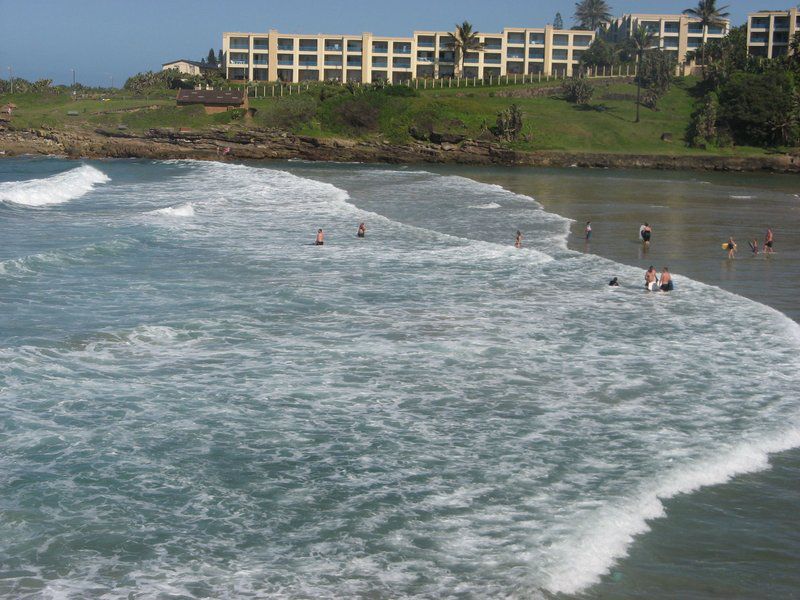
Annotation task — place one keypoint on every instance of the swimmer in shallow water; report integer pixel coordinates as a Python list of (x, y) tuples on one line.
[(731, 247), (647, 233), (768, 241), (588, 230), (362, 230), (614, 282), (666, 280), (518, 241), (651, 279), (320, 241)]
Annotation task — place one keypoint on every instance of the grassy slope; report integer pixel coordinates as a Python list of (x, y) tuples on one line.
[(550, 123)]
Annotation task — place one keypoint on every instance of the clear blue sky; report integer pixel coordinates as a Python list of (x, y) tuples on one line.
[(105, 38)]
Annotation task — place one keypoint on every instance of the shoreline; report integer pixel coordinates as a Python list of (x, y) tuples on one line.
[(224, 144)]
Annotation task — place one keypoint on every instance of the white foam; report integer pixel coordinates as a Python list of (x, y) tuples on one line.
[(55, 189), (605, 535), (183, 210), (488, 206)]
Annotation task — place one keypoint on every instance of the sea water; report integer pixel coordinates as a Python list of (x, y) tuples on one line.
[(195, 401)]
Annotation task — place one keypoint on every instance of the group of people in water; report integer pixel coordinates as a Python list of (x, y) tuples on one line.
[(769, 240), (320, 239)]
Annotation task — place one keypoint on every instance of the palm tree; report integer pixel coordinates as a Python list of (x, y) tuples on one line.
[(590, 14), (709, 15), (640, 41), (462, 41)]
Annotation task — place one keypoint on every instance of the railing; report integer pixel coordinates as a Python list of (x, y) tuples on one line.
[(402, 50), (261, 61), (333, 63), (493, 61), (380, 63), (260, 46), (238, 61), (285, 48), (425, 59), (494, 46), (285, 62), (426, 44), (239, 47), (380, 49), (308, 48)]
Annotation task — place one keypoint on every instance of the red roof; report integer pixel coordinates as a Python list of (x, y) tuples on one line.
[(211, 97)]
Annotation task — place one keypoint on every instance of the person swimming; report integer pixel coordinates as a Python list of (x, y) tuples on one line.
[(666, 280), (614, 282), (588, 231), (518, 241), (362, 230), (753, 246), (320, 240)]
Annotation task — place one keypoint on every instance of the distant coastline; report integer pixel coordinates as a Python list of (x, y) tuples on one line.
[(256, 144)]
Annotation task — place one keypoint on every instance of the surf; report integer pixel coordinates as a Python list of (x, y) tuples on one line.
[(56, 189)]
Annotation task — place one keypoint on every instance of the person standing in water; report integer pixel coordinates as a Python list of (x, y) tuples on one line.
[(647, 233), (731, 247), (320, 241), (518, 241), (753, 246), (362, 230), (650, 279), (588, 230), (768, 240), (666, 280)]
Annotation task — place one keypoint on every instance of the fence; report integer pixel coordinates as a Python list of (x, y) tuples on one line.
[(278, 90)]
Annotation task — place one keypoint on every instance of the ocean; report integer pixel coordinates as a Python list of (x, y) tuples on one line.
[(197, 402)]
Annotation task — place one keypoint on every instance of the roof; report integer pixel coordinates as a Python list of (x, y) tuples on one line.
[(202, 65), (211, 97)]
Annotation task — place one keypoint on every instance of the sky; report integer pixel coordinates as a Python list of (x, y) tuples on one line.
[(110, 40)]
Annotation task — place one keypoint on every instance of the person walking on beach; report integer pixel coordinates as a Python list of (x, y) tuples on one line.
[(320, 241), (588, 230), (768, 239), (731, 247), (362, 230), (650, 279), (518, 241), (666, 280)]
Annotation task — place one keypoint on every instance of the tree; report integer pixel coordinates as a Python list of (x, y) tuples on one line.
[(212, 58), (558, 22), (509, 123), (220, 58), (655, 75), (600, 54), (760, 108), (462, 41), (703, 125), (709, 15), (726, 56), (590, 14), (640, 41)]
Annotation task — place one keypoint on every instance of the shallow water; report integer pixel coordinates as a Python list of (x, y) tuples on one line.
[(197, 402)]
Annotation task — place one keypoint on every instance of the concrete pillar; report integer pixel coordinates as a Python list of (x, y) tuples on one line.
[(250, 56), (366, 58), (273, 55), (548, 50)]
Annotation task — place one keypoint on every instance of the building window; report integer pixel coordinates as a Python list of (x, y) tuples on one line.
[(354, 46), (516, 38)]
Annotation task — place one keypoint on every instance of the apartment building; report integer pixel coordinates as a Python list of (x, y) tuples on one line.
[(769, 32), (674, 34), (367, 58)]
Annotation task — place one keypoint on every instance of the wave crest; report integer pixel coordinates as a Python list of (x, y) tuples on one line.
[(55, 189)]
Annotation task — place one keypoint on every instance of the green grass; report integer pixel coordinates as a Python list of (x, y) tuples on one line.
[(606, 125)]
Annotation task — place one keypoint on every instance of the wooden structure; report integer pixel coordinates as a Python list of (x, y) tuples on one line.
[(214, 101)]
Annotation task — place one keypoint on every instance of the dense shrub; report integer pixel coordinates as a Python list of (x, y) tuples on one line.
[(509, 123), (759, 109), (289, 112), (358, 113), (578, 90), (656, 72), (703, 125)]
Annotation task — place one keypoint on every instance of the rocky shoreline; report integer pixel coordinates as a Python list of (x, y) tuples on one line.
[(228, 144)]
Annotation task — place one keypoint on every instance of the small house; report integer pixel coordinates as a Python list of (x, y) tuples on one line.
[(189, 67), (214, 101)]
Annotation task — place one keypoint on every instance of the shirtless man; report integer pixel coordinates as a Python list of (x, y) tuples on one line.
[(518, 241), (362, 230), (768, 242), (650, 279), (320, 241), (666, 280), (588, 231)]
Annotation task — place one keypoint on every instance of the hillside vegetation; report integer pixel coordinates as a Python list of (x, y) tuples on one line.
[(397, 114)]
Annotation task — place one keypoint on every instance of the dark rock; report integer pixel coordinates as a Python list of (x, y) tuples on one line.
[(666, 137)]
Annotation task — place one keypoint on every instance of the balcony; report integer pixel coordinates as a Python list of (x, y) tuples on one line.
[(492, 61), (781, 24), (353, 61), (672, 28), (516, 53), (401, 63), (261, 60), (286, 45), (582, 41), (560, 40), (308, 47), (536, 53), (239, 47), (307, 61), (402, 49), (284, 48), (759, 23), (560, 55), (380, 48), (425, 59), (694, 42), (471, 58), (493, 44), (426, 42), (260, 44), (353, 46), (333, 61), (759, 38), (716, 30), (695, 29), (537, 39), (239, 61), (283, 62), (380, 62), (517, 39)]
